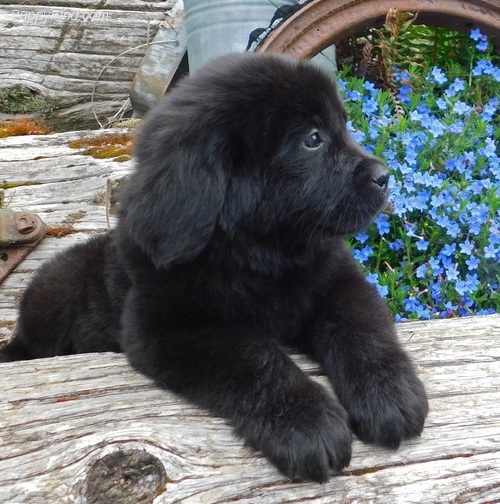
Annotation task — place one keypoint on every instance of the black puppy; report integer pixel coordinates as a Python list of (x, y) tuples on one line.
[(228, 247)]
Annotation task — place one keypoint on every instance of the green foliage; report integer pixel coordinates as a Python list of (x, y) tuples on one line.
[(401, 43)]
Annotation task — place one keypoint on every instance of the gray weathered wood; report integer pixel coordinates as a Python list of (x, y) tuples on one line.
[(60, 184), (59, 417), (59, 49)]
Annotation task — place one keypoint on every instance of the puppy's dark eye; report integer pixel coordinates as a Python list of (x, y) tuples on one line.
[(313, 141)]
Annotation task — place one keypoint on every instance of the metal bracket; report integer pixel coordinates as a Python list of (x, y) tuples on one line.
[(19, 233)]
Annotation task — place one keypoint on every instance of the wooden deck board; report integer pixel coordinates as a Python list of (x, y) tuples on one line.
[(60, 416), (80, 55)]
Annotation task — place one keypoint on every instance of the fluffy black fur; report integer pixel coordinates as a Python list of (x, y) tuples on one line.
[(229, 247)]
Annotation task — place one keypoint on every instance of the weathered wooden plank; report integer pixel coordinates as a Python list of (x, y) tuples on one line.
[(65, 188), (59, 416), (99, 4), (59, 48), (48, 172)]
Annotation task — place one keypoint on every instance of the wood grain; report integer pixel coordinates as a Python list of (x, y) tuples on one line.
[(60, 48), (59, 416)]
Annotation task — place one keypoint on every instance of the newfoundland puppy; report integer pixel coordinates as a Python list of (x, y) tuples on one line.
[(229, 249)]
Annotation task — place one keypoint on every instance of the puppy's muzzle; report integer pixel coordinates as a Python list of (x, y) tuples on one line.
[(375, 173), (379, 175)]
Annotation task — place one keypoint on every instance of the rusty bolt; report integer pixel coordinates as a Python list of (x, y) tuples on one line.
[(25, 224)]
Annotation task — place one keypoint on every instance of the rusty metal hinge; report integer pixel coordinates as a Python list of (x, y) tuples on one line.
[(19, 233)]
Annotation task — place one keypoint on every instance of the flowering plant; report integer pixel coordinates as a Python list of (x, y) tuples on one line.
[(435, 251)]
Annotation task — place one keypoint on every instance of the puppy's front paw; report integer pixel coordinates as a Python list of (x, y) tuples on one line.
[(392, 407), (308, 440)]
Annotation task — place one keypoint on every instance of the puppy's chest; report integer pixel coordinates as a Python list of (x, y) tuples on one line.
[(282, 308)]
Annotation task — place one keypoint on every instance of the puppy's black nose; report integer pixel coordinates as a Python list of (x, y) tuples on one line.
[(380, 174)]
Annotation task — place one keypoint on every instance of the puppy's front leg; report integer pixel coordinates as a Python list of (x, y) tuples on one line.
[(373, 377), (246, 377)]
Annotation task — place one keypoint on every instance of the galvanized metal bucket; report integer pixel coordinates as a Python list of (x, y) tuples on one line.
[(218, 27)]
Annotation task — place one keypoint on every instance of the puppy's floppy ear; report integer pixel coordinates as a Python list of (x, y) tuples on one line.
[(172, 202)]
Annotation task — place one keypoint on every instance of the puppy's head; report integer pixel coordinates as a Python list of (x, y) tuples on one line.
[(251, 143)]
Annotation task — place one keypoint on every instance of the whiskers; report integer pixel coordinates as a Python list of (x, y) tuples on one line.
[(344, 219)]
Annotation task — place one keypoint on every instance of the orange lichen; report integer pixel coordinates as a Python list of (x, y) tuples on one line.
[(112, 146), (60, 231), (26, 126)]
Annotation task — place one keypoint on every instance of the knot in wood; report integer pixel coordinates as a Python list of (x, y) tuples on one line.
[(128, 477)]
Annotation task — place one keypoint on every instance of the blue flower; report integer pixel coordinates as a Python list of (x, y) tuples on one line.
[(435, 265), (486, 68), (494, 234), (476, 34), (423, 108), (472, 263), (476, 218), (423, 313), (448, 250), (489, 150), (369, 86), (420, 201), (467, 286), (490, 109), (423, 245), (370, 106), (415, 307), (441, 104), (482, 46), (467, 247), (437, 292), (373, 131), (478, 186), (453, 229), (461, 108), (483, 67), (362, 255), (382, 290), (443, 221), (488, 311), (362, 237), (457, 127), (403, 95), (435, 127), (438, 76), (353, 95), (452, 272), (490, 251), (410, 230), (411, 304), (411, 157), (342, 84), (383, 225), (397, 245), (481, 38), (422, 271), (358, 136), (457, 86), (401, 75), (450, 308), (426, 179)]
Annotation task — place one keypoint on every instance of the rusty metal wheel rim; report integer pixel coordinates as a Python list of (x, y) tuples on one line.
[(321, 23)]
